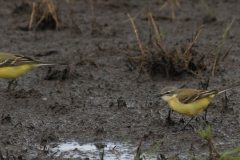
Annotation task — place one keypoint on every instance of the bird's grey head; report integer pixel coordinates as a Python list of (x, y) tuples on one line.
[(167, 93)]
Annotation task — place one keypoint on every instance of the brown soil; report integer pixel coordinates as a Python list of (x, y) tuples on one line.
[(98, 95)]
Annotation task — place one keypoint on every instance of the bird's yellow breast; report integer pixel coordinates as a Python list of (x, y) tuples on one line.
[(190, 109), (15, 71)]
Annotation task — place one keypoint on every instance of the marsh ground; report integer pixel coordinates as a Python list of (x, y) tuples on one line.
[(87, 103)]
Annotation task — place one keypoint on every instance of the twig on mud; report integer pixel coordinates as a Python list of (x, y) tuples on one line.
[(230, 47), (19, 123), (144, 55), (92, 63), (220, 48)]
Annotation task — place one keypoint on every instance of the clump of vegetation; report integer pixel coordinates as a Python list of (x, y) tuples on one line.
[(160, 61), (168, 64), (213, 152), (44, 16)]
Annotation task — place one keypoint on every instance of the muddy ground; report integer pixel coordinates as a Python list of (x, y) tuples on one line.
[(97, 96)]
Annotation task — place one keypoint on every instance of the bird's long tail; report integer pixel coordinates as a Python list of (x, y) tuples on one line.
[(45, 64), (227, 88)]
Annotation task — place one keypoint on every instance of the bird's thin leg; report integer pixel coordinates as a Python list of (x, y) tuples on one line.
[(9, 85), (15, 84), (169, 120), (205, 117), (187, 123)]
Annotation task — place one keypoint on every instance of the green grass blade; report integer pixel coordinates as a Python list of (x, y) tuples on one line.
[(160, 35), (125, 139), (155, 148), (207, 7), (223, 39)]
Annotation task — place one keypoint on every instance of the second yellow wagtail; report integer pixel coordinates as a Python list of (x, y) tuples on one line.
[(13, 66), (190, 101)]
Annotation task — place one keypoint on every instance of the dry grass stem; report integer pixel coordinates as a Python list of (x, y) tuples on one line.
[(178, 4), (163, 5), (32, 15), (172, 9), (157, 42), (196, 37), (135, 30), (230, 47), (172, 2), (144, 55), (152, 22)]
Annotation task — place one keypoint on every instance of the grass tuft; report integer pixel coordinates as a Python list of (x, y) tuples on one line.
[(44, 16)]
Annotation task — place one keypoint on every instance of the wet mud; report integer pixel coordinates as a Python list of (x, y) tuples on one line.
[(96, 93)]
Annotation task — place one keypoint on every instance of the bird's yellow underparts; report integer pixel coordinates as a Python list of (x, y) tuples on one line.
[(190, 101), (14, 66)]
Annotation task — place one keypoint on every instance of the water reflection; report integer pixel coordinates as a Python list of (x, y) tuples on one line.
[(92, 150)]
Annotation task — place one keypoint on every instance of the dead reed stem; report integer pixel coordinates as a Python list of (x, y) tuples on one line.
[(32, 15)]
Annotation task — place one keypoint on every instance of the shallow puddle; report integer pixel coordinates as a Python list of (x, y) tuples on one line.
[(75, 150)]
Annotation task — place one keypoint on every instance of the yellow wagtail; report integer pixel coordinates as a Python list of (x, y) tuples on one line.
[(13, 66), (190, 101)]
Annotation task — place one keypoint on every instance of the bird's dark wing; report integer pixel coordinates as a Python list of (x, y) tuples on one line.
[(17, 60), (190, 95)]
